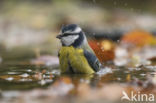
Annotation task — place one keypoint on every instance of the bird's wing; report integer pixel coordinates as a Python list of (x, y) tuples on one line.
[(92, 60)]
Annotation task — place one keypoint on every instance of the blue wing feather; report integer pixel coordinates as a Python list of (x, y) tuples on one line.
[(92, 60)]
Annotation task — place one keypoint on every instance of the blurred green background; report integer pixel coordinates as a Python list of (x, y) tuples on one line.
[(33, 24)]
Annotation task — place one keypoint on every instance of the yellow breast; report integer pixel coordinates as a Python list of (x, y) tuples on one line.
[(73, 57)]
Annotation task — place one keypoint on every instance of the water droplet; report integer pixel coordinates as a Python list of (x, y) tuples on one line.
[(55, 72), (42, 82), (29, 70), (104, 71), (10, 78), (12, 73), (138, 69), (43, 76), (24, 75), (142, 74)]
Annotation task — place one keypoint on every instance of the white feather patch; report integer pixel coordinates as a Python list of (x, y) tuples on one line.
[(77, 30), (68, 40)]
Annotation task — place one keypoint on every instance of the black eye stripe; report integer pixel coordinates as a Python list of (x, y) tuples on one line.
[(67, 34)]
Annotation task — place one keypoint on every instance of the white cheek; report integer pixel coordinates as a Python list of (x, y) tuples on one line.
[(77, 30), (68, 40)]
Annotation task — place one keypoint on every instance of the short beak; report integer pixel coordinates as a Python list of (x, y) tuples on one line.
[(59, 36)]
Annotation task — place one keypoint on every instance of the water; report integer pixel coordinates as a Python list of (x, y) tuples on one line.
[(21, 77)]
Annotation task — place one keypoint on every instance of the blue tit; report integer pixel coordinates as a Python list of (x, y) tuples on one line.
[(75, 55)]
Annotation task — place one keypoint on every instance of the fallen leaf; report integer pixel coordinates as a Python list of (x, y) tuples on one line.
[(138, 38), (104, 49)]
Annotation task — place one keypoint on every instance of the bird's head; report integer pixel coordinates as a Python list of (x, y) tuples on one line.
[(71, 34)]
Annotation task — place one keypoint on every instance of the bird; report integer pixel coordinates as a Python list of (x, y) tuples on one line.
[(75, 55)]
